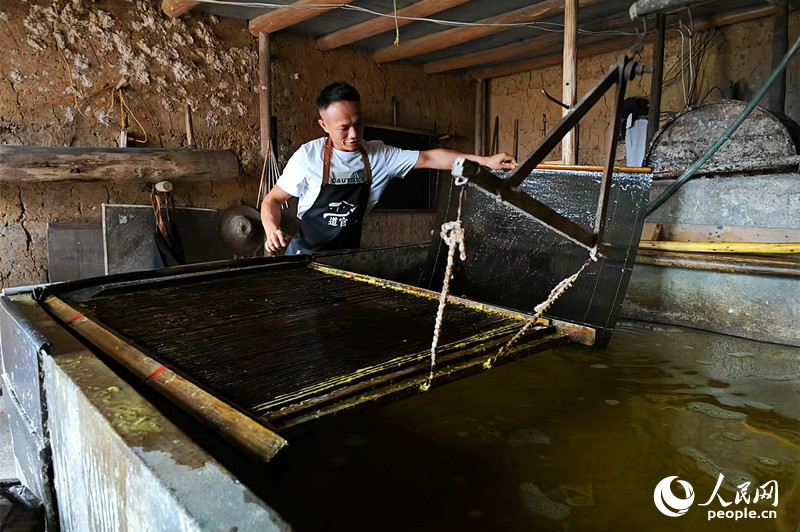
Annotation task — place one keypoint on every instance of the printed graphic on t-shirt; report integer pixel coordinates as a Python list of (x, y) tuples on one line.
[(347, 178), (338, 213)]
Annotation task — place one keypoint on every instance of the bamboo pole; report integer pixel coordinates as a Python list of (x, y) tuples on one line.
[(722, 247), (249, 435)]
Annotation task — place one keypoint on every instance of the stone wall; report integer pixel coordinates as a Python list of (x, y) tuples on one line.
[(737, 63), (61, 60)]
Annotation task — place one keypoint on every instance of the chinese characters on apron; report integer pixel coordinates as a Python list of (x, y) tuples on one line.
[(334, 220)]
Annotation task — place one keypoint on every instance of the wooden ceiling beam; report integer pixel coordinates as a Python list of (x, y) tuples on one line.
[(279, 19), (176, 8), (492, 55), (612, 45), (510, 51), (602, 47), (378, 25), (445, 39)]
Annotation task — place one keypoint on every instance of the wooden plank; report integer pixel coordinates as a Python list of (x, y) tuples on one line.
[(279, 19), (454, 36), (132, 165), (601, 47), (74, 251), (569, 144), (378, 25), (176, 8), (719, 233)]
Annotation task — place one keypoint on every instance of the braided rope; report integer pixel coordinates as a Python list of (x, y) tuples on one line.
[(540, 309), (452, 234)]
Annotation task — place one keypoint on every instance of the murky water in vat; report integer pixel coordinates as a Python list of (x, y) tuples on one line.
[(574, 439)]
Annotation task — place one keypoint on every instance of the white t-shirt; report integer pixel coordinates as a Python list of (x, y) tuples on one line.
[(302, 176)]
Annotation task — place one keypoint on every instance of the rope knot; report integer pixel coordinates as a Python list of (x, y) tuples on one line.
[(453, 235)]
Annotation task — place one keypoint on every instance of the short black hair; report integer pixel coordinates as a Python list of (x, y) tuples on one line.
[(337, 92)]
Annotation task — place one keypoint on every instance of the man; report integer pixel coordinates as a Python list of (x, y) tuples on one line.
[(340, 177)]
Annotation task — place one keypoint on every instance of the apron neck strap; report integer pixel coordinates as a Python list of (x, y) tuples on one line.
[(327, 154)]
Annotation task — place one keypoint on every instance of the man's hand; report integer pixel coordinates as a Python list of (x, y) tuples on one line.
[(271, 219), (500, 161), (276, 241)]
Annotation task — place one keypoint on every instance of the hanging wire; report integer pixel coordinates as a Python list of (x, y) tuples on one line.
[(396, 25)]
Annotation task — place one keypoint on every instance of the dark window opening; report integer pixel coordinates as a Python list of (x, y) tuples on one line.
[(418, 189)]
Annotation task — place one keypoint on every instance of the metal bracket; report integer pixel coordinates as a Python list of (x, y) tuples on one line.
[(507, 190)]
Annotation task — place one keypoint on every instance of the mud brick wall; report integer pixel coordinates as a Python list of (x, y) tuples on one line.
[(61, 60)]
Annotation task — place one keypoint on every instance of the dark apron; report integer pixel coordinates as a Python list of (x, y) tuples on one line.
[(334, 220)]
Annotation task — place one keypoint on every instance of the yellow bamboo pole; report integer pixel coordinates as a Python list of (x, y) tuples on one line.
[(722, 247), (250, 436)]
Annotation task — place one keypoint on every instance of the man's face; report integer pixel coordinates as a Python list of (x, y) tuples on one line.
[(342, 121)]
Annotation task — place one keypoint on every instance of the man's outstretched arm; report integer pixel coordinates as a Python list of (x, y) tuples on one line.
[(271, 219), (441, 159)]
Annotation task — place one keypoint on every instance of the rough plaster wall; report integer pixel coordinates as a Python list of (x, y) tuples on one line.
[(738, 62), (208, 61)]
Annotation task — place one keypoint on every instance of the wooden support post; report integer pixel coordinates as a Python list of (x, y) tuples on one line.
[(776, 96), (569, 144), (654, 117), (264, 92)]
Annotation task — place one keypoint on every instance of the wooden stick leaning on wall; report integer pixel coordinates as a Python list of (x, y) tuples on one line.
[(265, 92), (250, 436), (189, 126)]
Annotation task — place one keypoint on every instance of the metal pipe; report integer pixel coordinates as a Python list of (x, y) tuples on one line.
[(747, 265), (722, 247), (733, 127)]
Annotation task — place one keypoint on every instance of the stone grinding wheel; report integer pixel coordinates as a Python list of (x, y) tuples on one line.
[(240, 230)]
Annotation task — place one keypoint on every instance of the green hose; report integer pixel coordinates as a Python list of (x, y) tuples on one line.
[(655, 204)]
